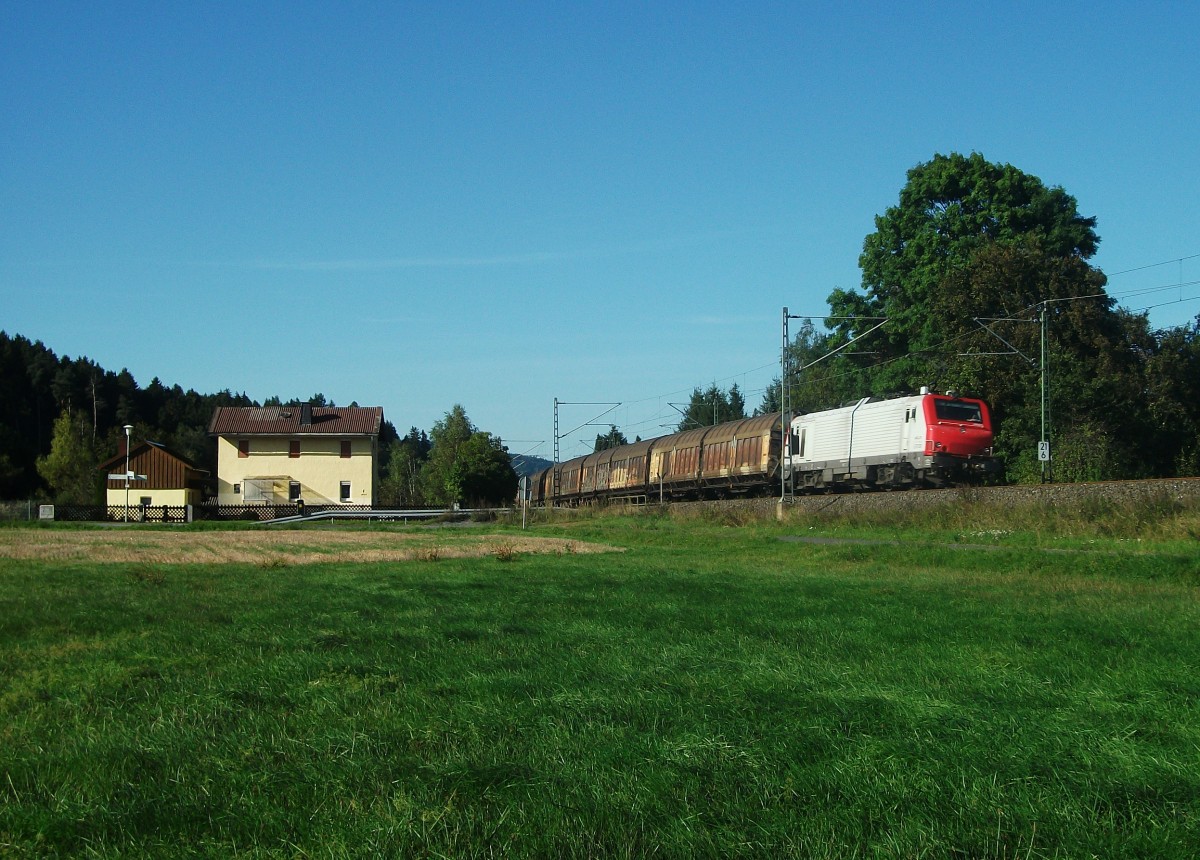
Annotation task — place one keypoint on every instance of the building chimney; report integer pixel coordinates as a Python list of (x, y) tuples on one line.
[(305, 414)]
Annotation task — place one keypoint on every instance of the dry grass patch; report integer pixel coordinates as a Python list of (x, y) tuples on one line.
[(268, 547)]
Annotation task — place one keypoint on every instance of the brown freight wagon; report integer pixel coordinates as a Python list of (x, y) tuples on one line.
[(675, 463), (629, 475), (741, 454)]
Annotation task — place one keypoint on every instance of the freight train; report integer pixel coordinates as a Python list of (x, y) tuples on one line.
[(922, 440)]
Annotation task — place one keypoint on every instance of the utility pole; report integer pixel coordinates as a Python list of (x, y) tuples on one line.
[(555, 472), (785, 403), (128, 434), (1043, 449), (1044, 454), (557, 403)]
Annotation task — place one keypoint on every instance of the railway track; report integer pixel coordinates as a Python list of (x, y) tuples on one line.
[(1074, 495)]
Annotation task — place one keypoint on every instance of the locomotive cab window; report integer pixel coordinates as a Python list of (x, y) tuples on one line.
[(958, 410)]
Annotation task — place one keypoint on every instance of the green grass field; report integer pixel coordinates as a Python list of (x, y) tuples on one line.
[(712, 690)]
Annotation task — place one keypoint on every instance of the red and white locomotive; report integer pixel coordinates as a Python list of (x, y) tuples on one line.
[(924, 440), (916, 441)]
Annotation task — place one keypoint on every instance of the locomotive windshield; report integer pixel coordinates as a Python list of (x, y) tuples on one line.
[(958, 410)]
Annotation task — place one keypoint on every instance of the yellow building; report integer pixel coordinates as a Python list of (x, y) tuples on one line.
[(322, 455)]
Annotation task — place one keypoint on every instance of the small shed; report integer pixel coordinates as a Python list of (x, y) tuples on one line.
[(170, 478)]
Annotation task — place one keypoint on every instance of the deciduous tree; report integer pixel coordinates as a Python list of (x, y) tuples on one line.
[(466, 465), (951, 208), (487, 474)]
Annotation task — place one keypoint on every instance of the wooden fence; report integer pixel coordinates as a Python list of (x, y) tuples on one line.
[(34, 510)]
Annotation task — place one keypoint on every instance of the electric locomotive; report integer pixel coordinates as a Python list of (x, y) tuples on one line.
[(920, 440)]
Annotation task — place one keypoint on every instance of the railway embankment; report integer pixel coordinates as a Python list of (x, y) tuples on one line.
[(1069, 498)]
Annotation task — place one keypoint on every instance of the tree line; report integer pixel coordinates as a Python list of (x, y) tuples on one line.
[(43, 392), (64, 416)]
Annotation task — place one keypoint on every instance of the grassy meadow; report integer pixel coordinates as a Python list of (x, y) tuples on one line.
[(1008, 685)]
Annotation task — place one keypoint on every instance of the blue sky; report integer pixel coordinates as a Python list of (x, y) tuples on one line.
[(413, 205)]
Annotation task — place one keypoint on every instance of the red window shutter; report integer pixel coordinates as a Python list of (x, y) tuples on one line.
[(294, 448), (243, 448), (345, 449)]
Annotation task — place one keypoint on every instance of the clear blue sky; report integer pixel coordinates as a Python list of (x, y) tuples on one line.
[(412, 205)]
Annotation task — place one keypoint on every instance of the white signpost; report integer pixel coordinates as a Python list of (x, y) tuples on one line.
[(126, 477)]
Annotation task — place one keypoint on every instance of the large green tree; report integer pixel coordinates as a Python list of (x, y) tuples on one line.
[(443, 472), (950, 209)]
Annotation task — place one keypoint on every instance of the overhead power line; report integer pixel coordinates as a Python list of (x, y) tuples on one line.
[(1162, 289), (1152, 265), (1165, 304)]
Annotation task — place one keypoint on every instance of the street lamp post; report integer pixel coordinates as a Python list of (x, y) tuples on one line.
[(128, 432)]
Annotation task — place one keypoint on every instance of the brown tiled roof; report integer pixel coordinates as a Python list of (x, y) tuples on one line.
[(285, 421), (119, 458)]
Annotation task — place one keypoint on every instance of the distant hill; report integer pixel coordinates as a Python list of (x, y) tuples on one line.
[(525, 465)]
